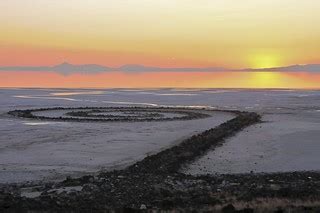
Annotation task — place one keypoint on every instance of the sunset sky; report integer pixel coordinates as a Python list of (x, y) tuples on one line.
[(164, 33)]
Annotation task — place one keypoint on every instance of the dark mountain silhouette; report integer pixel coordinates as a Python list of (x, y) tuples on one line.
[(142, 68), (292, 68), (67, 68), (64, 68)]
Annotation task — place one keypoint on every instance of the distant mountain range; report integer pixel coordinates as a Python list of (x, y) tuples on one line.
[(292, 68), (67, 68), (142, 68), (64, 68)]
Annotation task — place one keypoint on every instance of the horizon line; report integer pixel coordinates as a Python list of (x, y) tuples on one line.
[(163, 88), (67, 67)]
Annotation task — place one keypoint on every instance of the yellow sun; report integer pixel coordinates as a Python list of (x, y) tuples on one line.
[(264, 60)]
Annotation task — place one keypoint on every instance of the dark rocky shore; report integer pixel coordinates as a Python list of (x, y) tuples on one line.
[(155, 183)]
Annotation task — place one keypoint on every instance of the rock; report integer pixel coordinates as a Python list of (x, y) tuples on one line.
[(246, 210), (228, 209), (234, 184), (143, 206), (275, 187)]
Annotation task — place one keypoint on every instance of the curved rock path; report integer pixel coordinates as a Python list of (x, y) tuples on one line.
[(156, 183)]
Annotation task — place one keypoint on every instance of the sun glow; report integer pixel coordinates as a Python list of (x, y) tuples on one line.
[(265, 61)]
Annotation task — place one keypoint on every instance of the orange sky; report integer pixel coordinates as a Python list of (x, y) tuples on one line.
[(166, 33), (227, 33)]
